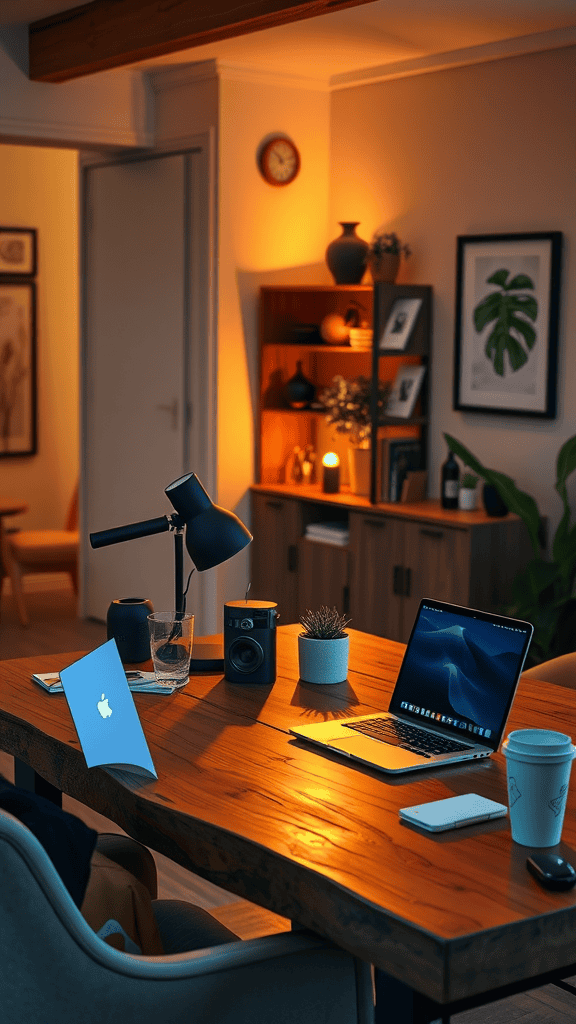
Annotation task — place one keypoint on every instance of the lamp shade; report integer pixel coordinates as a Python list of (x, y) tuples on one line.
[(213, 534)]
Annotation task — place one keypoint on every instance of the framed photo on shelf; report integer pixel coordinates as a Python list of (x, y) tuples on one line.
[(506, 331), (405, 391), (17, 368), (17, 252), (400, 324)]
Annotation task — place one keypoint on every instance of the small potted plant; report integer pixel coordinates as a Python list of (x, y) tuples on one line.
[(323, 646), (467, 492), (347, 406), (383, 256)]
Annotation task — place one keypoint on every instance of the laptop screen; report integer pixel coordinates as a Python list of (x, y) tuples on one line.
[(460, 670)]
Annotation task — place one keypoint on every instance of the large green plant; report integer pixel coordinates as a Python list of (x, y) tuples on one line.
[(544, 592)]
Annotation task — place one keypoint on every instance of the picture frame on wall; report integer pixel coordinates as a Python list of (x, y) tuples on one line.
[(400, 324), (17, 252), (506, 330), (17, 368)]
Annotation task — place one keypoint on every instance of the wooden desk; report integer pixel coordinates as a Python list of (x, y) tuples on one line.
[(456, 916)]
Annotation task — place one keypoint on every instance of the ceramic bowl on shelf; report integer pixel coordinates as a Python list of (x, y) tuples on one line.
[(361, 337)]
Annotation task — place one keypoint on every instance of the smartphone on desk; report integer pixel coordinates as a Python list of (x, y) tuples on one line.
[(454, 812)]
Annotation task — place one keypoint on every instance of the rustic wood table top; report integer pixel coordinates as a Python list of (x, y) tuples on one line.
[(309, 836)]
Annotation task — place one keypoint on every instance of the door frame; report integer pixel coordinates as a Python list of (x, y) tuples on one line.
[(200, 440)]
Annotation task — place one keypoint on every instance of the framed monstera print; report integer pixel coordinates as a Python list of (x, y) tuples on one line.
[(506, 334)]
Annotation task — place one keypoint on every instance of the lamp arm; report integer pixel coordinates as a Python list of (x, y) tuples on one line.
[(132, 531)]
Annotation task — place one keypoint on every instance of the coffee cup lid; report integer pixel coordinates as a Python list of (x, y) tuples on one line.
[(540, 742)]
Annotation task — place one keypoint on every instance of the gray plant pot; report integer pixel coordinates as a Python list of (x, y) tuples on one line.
[(323, 661)]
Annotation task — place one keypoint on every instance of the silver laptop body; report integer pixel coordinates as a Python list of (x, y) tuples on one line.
[(452, 697)]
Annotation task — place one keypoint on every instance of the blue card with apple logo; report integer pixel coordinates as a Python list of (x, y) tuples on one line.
[(104, 713)]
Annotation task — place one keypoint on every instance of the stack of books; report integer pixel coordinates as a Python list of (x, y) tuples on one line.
[(328, 533), (398, 457)]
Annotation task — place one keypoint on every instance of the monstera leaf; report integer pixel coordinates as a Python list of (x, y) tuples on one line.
[(510, 328)]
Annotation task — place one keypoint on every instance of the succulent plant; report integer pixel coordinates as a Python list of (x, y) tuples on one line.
[(326, 624)]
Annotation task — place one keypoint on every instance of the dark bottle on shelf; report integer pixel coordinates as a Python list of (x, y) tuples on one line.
[(450, 481)]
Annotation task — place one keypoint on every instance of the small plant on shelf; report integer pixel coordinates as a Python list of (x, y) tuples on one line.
[(469, 481), (325, 624), (387, 242), (347, 405)]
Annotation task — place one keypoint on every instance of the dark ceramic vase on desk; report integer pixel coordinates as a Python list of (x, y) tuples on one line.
[(127, 623)]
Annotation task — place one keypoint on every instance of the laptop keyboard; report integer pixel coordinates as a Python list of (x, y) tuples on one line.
[(410, 737)]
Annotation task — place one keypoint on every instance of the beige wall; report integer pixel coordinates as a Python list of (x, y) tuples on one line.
[(266, 234), (39, 188), (481, 149)]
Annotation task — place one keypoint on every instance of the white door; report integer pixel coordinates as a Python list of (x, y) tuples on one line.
[(135, 374)]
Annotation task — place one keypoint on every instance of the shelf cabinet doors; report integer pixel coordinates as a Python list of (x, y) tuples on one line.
[(323, 577), (376, 548), (276, 528), (436, 564)]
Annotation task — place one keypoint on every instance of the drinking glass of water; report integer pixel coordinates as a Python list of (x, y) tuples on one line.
[(171, 636)]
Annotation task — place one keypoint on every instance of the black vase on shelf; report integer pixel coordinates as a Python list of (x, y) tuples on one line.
[(493, 504), (299, 392), (127, 623), (346, 255)]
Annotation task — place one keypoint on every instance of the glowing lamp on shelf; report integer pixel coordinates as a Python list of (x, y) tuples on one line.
[(330, 473)]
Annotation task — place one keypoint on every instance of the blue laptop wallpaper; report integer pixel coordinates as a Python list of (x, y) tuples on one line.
[(461, 671)]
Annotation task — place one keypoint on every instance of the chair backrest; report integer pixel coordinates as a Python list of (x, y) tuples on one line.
[(561, 671), (72, 517), (54, 968)]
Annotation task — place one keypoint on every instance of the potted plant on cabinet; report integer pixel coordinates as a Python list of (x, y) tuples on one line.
[(323, 646), (347, 406), (544, 592), (383, 256), (467, 492)]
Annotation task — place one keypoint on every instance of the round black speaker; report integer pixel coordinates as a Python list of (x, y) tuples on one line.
[(127, 623)]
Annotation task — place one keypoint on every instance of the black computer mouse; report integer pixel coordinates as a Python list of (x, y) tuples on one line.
[(552, 871)]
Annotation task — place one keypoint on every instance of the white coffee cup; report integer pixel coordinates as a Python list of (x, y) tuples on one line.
[(538, 764)]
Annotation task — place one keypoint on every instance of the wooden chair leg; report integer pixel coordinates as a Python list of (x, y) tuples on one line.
[(15, 573)]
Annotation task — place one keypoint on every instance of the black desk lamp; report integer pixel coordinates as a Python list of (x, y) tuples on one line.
[(212, 533)]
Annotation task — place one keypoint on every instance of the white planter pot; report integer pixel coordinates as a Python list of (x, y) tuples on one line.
[(323, 661), (467, 499), (359, 468)]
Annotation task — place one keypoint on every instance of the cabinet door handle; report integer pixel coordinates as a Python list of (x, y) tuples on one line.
[(435, 534), (374, 523), (398, 581), (345, 600), (407, 582), (292, 558), (273, 504)]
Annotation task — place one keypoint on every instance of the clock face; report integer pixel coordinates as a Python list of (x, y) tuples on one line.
[(280, 162)]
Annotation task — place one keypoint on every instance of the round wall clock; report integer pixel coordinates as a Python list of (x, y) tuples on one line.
[(279, 161)]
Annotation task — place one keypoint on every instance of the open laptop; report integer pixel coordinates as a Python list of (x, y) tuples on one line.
[(105, 715), (452, 697)]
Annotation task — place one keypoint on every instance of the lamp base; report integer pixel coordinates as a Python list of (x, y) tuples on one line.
[(207, 656)]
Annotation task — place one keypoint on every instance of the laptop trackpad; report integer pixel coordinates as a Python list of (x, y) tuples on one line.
[(382, 755)]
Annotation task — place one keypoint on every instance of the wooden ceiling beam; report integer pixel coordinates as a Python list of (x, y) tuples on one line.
[(112, 33)]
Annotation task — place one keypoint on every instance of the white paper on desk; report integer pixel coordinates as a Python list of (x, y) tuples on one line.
[(104, 713)]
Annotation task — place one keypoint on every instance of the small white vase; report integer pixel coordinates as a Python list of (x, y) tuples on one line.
[(467, 499), (323, 661), (359, 468)]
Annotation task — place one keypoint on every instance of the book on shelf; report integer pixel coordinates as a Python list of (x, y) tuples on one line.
[(398, 457), (328, 533)]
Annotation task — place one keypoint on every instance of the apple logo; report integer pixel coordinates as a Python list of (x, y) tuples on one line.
[(103, 708)]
